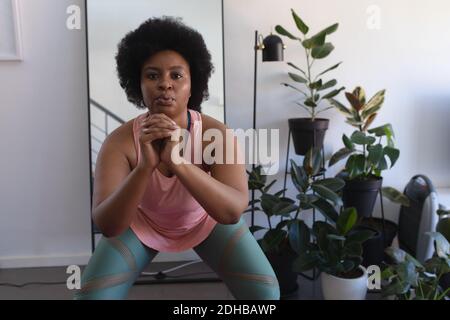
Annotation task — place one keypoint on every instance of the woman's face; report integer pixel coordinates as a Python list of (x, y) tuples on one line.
[(166, 83)]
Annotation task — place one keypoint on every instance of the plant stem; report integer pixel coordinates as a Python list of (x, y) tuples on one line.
[(270, 225), (364, 153), (313, 113), (298, 211)]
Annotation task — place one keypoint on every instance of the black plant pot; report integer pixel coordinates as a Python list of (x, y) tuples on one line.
[(361, 194), (282, 262), (373, 249), (307, 134)]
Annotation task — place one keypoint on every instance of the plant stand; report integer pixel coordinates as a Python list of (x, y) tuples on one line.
[(315, 274)]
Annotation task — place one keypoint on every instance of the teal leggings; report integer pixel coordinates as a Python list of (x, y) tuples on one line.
[(230, 250)]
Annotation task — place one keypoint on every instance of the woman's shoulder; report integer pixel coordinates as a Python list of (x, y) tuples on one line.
[(123, 139), (209, 122)]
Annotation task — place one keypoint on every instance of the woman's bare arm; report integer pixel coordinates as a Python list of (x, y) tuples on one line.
[(117, 189), (224, 193)]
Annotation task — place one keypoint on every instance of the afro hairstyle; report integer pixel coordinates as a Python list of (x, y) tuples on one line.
[(155, 35)]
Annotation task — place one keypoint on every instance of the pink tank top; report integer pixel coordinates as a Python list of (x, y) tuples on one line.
[(168, 218)]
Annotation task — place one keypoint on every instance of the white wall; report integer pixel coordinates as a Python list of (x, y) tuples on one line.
[(44, 170), (408, 56), (44, 167)]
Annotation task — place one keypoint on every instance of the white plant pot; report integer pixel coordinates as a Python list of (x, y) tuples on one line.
[(335, 288)]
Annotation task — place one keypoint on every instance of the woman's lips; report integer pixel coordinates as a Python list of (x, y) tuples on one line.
[(163, 101)]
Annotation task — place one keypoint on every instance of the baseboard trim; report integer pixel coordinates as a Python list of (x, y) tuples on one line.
[(81, 259)]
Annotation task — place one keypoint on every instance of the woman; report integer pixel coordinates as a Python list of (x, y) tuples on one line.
[(144, 202)]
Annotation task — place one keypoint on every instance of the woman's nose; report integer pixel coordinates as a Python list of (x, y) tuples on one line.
[(165, 84)]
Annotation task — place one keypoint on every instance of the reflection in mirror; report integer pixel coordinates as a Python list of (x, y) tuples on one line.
[(108, 22)]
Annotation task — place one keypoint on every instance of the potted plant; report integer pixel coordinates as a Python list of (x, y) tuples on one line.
[(408, 279), (368, 151), (312, 193), (310, 132), (443, 225), (336, 250)]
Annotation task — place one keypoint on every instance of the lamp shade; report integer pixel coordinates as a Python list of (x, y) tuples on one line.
[(273, 48)]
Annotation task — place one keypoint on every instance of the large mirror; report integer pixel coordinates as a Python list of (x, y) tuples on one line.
[(108, 22)]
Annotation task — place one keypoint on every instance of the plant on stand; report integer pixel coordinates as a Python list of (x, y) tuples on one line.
[(336, 250), (278, 241), (310, 132), (368, 151)]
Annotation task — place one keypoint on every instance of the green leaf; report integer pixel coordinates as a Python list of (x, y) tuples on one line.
[(340, 107), (376, 101), (359, 236), (368, 112), (442, 245), (382, 165), (375, 154), (283, 208), (346, 220), (327, 194), (322, 51), (392, 153), (308, 102), (316, 85), (299, 22), (299, 177), (328, 85), (297, 68), (326, 209), (360, 138), (355, 165), (314, 42), (339, 155), (407, 272), (395, 196), (283, 223), (353, 249), (307, 198), (382, 130), (273, 238), (297, 78), (268, 202), (329, 69), (442, 212), (333, 93), (286, 33), (335, 237), (334, 184), (348, 143), (299, 236), (330, 29), (354, 123), (306, 261), (398, 255)]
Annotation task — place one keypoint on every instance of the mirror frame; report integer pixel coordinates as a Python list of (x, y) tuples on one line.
[(91, 173)]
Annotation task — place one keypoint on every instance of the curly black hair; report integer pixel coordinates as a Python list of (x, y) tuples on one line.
[(158, 34)]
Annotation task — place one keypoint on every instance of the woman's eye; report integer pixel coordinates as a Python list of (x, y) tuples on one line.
[(152, 76), (177, 76)]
